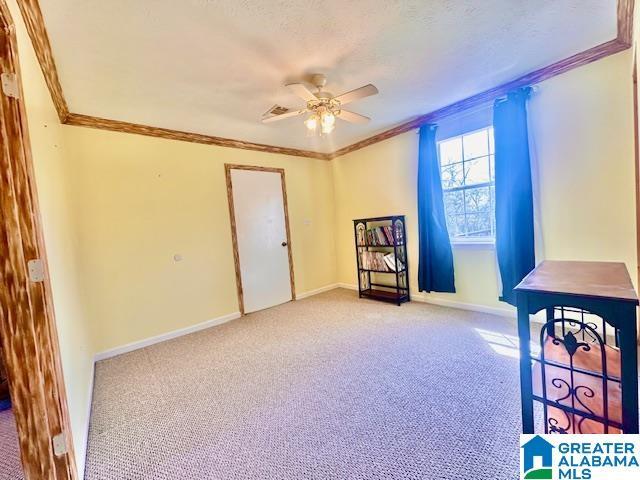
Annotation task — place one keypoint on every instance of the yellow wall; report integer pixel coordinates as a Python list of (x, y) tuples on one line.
[(141, 200), (582, 127), (581, 123), (53, 170)]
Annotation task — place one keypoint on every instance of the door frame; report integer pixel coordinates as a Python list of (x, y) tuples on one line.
[(234, 235), (27, 323)]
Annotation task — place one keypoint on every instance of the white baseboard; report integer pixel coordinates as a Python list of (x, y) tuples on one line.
[(443, 302), (310, 293), (194, 328), (165, 336)]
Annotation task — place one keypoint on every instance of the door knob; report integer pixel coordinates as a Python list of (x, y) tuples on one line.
[(284, 244)]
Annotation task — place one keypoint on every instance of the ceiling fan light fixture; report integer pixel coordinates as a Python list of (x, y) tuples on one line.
[(328, 119), (327, 129), (311, 123)]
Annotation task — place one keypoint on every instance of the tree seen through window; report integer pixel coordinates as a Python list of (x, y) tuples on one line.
[(468, 184)]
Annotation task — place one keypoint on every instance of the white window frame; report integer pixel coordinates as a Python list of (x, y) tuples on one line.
[(487, 241)]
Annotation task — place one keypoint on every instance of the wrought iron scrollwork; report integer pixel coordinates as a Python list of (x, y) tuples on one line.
[(589, 393), (552, 423), (571, 343), (571, 398)]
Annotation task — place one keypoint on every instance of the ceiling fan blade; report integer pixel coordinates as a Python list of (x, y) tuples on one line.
[(357, 94), (302, 91), (352, 117), (282, 116)]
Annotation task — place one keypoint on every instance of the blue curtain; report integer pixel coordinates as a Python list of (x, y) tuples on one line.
[(435, 260), (514, 191)]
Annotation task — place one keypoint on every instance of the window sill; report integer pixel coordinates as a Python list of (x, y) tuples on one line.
[(478, 243)]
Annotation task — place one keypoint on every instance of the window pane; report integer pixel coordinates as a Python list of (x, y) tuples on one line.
[(452, 175), (476, 144), (451, 224), (477, 199), (479, 224), (466, 162), (454, 202), (456, 225), (451, 151), (477, 171)]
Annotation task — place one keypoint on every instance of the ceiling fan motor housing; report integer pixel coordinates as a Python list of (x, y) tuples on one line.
[(325, 102), (318, 80)]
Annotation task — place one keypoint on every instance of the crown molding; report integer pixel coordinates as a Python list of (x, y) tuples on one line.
[(625, 22), (622, 42), (34, 22), (582, 58), (32, 15), (126, 127)]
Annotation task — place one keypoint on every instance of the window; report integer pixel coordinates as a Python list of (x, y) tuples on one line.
[(468, 185)]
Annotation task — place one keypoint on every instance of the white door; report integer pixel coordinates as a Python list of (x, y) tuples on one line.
[(262, 238)]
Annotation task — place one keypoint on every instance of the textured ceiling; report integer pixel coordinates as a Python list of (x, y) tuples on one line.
[(213, 67)]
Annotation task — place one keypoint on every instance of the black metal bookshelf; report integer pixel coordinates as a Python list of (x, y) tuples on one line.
[(383, 234)]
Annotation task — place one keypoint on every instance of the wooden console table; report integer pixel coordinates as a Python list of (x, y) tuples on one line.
[(585, 376)]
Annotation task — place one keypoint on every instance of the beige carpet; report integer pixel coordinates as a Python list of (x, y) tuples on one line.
[(330, 387), (10, 466)]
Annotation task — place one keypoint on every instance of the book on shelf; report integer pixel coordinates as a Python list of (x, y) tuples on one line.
[(390, 260), (373, 261), (379, 261), (376, 236)]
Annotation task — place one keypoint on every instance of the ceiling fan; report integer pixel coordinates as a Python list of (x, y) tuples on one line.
[(322, 106)]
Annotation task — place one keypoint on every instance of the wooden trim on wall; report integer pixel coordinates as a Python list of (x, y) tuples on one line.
[(234, 235), (37, 31), (234, 238), (27, 323), (34, 22), (32, 15), (125, 127), (625, 22), (621, 42), (578, 60)]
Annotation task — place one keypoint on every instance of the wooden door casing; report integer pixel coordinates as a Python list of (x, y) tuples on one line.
[(234, 235), (27, 324)]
